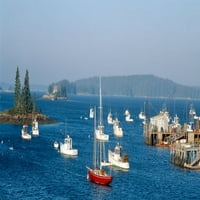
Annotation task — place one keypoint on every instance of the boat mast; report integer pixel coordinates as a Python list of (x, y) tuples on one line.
[(100, 105), (100, 121), (94, 150)]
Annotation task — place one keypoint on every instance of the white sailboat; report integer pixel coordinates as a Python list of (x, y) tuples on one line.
[(66, 147), (35, 130), (128, 116), (116, 159), (109, 118), (100, 135), (117, 130), (24, 134)]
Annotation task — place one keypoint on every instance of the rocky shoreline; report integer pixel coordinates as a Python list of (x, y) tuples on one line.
[(17, 119)]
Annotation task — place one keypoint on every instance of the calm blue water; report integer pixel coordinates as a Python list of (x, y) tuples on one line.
[(35, 170)]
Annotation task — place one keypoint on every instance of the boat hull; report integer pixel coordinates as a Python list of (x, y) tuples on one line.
[(35, 132), (66, 151), (26, 136), (97, 177)]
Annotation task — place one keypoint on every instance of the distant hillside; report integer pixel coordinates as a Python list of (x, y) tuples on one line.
[(134, 85)]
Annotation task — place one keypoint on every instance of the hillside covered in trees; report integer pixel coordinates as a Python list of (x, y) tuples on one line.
[(133, 85)]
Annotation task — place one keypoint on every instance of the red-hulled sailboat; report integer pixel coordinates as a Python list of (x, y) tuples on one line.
[(98, 175)]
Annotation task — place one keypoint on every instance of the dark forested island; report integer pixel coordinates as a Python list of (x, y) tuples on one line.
[(24, 110), (133, 86)]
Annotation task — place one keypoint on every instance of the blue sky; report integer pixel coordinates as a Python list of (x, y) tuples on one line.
[(74, 39)]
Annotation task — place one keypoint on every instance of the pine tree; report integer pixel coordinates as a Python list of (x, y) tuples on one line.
[(27, 104), (17, 97)]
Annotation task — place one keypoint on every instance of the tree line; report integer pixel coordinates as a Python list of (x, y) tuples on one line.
[(133, 85), (23, 102)]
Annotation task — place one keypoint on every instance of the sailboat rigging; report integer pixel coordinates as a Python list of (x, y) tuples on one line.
[(98, 175)]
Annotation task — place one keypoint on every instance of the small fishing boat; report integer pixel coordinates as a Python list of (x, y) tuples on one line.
[(98, 175), (56, 145), (118, 160), (142, 115), (117, 130), (35, 130), (24, 134), (91, 115), (128, 116), (66, 147)]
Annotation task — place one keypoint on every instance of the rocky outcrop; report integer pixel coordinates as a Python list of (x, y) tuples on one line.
[(6, 118)]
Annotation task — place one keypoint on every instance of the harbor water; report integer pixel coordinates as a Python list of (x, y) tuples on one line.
[(36, 170)]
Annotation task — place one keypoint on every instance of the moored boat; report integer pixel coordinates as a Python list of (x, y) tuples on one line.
[(128, 116), (35, 130), (24, 133), (142, 116), (117, 130), (100, 135), (66, 147), (91, 115), (109, 118), (118, 160), (97, 174), (56, 145)]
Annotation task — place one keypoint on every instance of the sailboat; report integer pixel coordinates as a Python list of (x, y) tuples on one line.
[(35, 130), (25, 135), (100, 135), (109, 118), (98, 175)]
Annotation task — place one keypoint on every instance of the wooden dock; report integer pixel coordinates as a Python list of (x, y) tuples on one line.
[(185, 155)]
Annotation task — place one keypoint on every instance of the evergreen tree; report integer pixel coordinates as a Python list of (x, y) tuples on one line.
[(27, 104), (34, 110), (17, 97)]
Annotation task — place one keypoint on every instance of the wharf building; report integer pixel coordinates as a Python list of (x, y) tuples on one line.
[(184, 141)]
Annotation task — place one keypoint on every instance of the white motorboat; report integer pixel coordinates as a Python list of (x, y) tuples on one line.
[(109, 118), (35, 130), (100, 135), (118, 160), (24, 133), (142, 115), (128, 116), (66, 147), (56, 145), (91, 115), (117, 130)]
